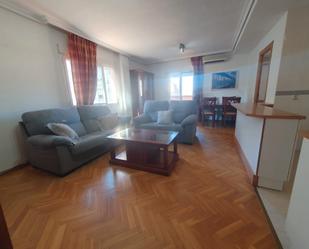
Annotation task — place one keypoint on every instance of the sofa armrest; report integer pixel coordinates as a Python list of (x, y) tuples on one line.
[(47, 141), (141, 120), (190, 120)]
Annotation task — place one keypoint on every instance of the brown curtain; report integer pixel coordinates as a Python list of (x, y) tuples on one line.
[(198, 78), (83, 56)]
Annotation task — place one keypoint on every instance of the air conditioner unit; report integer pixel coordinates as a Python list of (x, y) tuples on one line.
[(211, 58)]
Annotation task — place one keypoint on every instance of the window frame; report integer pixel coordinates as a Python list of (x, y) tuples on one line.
[(181, 75), (103, 66), (69, 77)]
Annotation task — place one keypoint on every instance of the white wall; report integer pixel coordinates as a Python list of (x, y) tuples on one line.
[(294, 68), (276, 34), (135, 65), (120, 65), (162, 72), (239, 62), (248, 132), (298, 219), (294, 75), (245, 64), (31, 77)]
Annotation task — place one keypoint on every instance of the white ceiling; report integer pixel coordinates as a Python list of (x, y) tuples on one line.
[(266, 13), (150, 31)]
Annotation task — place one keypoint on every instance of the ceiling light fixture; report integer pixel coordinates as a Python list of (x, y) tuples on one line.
[(182, 48)]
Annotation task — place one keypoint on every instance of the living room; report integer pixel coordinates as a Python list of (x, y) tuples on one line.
[(162, 153)]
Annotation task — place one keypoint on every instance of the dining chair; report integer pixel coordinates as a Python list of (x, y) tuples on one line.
[(228, 111), (209, 109)]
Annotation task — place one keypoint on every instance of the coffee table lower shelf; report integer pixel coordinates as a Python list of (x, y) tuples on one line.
[(153, 165)]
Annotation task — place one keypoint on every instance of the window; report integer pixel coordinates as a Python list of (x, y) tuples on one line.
[(70, 78), (106, 89), (181, 86)]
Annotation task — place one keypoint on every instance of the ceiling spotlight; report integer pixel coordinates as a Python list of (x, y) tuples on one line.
[(182, 48)]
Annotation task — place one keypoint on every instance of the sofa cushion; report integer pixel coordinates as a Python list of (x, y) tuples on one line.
[(35, 122), (182, 109), (165, 117), (62, 130), (90, 141), (156, 126), (108, 122), (89, 115), (79, 128), (152, 107)]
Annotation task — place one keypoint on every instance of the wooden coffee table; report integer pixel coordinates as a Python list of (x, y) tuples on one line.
[(146, 150)]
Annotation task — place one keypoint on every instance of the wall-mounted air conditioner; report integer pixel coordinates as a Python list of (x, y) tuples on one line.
[(212, 58)]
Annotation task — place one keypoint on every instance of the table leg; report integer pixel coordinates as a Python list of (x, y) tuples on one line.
[(113, 153), (175, 148), (165, 155)]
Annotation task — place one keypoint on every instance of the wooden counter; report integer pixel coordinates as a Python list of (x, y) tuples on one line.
[(262, 111), (267, 139), (305, 134)]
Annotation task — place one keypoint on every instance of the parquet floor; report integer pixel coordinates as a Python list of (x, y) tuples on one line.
[(206, 203)]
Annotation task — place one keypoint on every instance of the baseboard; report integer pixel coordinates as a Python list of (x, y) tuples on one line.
[(19, 166), (253, 179)]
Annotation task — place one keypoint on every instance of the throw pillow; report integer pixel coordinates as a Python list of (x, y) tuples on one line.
[(62, 130), (165, 117), (108, 122)]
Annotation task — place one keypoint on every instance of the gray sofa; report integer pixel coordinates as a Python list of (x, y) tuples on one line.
[(59, 154), (184, 118)]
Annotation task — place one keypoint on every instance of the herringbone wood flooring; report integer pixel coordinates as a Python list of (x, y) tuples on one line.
[(206, 203)]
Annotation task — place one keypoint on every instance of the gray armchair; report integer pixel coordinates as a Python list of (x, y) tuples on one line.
[(184, 118)]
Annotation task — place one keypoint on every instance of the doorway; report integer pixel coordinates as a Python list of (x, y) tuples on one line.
[(263, 73)]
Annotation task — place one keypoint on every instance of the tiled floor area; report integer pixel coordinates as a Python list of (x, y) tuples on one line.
[(276, 204)]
